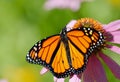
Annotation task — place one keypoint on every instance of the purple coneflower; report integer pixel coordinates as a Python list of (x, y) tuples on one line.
[(74, 5), (110, 54)]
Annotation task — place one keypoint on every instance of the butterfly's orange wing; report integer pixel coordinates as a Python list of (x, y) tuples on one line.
[(60, 63), (42, 52), (50, 53), (82, 42)]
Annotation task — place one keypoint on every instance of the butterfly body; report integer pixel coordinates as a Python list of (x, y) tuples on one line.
[(66, 53)]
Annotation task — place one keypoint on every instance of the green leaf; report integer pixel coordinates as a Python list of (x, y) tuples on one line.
[(113, 44), (113, 55)]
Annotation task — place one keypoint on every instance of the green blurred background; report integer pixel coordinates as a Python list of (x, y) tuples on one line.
[(24, 22)]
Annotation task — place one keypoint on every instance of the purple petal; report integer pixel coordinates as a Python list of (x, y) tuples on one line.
[(115, 49), (58, 80), (114, 67), (94, 71), (70, 25), (112, 26), (116, 36), (74, 78), (55, 79), (43, 71)]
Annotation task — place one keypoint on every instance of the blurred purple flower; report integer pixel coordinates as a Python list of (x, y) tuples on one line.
[(3, 80), (96, 73), (74, 5)]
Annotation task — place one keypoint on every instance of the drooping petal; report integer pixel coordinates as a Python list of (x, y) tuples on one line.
[(75, 78), (43, 71), (115, 49), (55, 79), (94, 71), (58, 79), (114, 67), (116, 36), (113, 55), (113, 26)]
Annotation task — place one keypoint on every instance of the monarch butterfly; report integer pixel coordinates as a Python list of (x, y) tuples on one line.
[(66, 53)]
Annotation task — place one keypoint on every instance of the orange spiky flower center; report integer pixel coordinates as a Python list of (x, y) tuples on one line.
[(89, 22)]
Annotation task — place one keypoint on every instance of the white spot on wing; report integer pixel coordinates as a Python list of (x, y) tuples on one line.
[(35, 48)]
